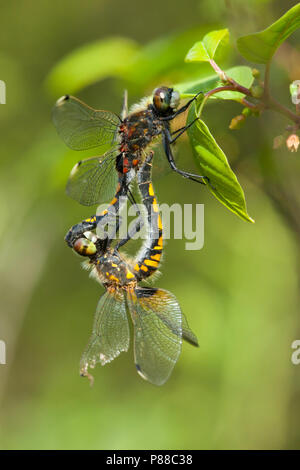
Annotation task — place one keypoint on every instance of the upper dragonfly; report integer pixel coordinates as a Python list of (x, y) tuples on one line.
[(94, 180), (130, 137)]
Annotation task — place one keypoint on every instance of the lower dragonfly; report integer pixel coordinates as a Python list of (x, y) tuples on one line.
[(159, 324), (98, 179)]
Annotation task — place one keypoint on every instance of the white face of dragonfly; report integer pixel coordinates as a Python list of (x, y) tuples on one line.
[(175, 99)]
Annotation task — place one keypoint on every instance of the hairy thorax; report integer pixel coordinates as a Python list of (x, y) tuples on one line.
[(138, 130), (110, 269)]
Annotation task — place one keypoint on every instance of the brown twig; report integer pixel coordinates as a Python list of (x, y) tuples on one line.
[(265, 102), (224, 77)]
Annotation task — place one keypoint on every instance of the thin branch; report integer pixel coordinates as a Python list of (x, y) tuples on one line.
[(224, 77), (219, 89), (273, 104), (267, 82), (250, 105), (266, 101)]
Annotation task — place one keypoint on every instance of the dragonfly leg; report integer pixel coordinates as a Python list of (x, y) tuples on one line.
[(130, 234), (167, 140), (182, 109), (136, 228), (109, 216), (180, 131), (102, 219), (143, 174)]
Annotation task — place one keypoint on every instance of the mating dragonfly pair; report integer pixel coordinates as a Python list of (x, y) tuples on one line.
[(159, 325)]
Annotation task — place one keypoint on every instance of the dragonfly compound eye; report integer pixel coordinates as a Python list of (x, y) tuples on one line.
[(85, 247), (162, 98)]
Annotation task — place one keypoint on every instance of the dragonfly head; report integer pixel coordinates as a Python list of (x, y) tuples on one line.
[(85, 247), (165, 100)]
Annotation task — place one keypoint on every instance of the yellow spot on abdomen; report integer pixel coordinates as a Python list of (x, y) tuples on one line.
[(113, 201), (151, 192), (155, 205), (149, 262)]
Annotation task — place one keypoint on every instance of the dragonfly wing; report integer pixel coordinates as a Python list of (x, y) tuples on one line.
[(82, 127), (167, 319), (110, 335), (187, 333), (156, 346), (94, 180)]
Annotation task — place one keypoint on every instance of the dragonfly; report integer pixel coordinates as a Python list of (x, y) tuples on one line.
[(129, 137), (159, 324)]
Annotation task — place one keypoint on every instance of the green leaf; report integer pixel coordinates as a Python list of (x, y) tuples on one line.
[(241, 74), (89, 64), (161, 56), (205, 50), (213, 163), (260, 47)]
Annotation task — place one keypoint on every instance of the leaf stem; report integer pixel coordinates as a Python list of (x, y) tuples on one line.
[(224, 77), (273, 104), (267, 82), (243, 101), (265, 102), (219, 89), (250, 105)]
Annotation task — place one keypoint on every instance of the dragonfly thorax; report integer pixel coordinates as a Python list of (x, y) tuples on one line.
[(113, 270), (139, 129)]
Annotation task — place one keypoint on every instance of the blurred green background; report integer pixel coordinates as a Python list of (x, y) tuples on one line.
[(240, 292)]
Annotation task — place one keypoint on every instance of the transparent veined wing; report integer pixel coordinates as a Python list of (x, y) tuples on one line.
[(156, 346), (94, 180), (110, 335), (185, 330), (187, 333), (82, 127)]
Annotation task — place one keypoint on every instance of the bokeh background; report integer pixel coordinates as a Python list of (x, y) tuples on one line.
[(240, 292)]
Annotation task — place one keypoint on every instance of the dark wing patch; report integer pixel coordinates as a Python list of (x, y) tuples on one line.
[(156, 346), (186, 332)]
